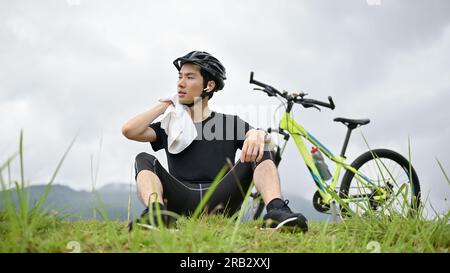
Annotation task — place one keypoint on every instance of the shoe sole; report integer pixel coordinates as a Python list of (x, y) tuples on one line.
[(283, 226), (147, 226), (150, 227)]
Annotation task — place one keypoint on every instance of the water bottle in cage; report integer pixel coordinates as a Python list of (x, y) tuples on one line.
[(321, 166)]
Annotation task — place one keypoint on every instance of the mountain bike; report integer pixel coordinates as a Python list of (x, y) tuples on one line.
[(377, 180)]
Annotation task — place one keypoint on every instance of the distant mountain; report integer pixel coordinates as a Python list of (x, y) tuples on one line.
[(79, 205), (82, 204)]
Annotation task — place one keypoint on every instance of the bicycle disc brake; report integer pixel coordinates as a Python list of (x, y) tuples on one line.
[(374, 204)]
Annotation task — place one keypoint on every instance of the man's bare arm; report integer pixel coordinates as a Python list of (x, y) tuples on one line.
[(137, 128)]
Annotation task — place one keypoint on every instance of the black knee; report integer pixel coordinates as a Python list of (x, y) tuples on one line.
[(267, 156), (144, 161), (143, 156)]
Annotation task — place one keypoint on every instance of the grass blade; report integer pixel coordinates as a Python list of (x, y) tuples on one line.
[(241, 214), (443, 171)]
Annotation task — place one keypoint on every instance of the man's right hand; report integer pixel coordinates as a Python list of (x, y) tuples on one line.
[(164, 105)]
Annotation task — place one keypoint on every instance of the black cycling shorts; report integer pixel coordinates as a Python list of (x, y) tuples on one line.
[(183, 197)]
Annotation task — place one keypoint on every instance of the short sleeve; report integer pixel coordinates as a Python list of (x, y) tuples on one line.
[(158, 144), (241, 129)]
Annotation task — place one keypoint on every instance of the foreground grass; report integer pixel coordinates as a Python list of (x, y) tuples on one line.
[(30, 228), (215, 233)]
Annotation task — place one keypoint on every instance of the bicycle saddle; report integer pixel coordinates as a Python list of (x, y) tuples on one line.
[(352, 123)]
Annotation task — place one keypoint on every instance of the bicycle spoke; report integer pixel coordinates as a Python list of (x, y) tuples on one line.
[(388, 175)]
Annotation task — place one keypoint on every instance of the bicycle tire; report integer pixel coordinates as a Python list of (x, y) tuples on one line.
[(381, 154)]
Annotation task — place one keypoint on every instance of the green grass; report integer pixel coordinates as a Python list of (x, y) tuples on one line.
[(213, 234), (30, 228)]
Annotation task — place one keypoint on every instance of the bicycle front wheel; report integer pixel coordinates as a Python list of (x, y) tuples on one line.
[(387, 183)]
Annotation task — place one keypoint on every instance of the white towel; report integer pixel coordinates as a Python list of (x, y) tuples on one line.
[(178, 124)]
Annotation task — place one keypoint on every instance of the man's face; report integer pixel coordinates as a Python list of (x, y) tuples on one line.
[(190, 83)]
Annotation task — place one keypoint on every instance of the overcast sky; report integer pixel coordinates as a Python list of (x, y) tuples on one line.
[(69, 66)]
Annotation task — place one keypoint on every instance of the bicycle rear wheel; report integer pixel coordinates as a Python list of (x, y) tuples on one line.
[(396, 187)]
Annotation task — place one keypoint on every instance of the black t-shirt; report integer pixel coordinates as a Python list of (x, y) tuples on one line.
[(218, 138)]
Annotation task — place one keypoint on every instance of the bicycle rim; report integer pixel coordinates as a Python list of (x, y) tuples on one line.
[(396, 190)]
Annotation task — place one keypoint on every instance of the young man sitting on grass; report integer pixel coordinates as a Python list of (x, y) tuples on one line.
[(191, 171)]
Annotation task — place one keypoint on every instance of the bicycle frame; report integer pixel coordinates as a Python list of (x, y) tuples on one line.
[(297, 132)]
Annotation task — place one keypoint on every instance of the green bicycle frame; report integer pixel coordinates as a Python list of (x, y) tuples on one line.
[(287, 123)]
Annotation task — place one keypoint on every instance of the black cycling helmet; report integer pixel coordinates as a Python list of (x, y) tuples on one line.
[(206, 62)]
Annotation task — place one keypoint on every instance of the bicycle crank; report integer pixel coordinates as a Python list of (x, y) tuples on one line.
[(318, 203)]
